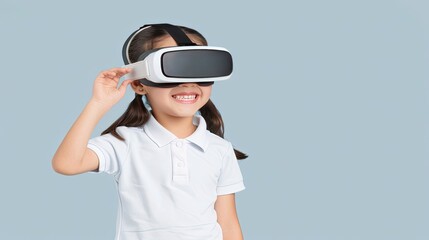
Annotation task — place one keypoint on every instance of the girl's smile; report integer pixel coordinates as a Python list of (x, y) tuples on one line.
[(186, 98)]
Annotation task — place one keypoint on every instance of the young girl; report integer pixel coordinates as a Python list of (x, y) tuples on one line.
[(175, 173)]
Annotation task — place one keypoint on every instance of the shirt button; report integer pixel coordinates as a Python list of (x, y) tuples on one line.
[(180, 164), (179, 144)]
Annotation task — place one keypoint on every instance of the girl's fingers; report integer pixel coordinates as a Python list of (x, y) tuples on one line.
[(115, 73), (108, 74), (124, 85)]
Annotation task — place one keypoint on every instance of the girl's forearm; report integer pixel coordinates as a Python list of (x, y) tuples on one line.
[(69, 155), (232, 233)]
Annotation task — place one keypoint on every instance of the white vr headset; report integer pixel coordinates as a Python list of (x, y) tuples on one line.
[(170, 66)]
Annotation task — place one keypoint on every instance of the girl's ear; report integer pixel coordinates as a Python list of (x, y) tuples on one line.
[(138, 87)]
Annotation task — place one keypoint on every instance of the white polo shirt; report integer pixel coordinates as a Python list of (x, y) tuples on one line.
[(168, 186)]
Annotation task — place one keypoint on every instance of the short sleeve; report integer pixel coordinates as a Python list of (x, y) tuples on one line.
[(231, 179), (110, 151)]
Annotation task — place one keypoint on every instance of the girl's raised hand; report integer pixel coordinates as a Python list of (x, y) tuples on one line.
[(106, 90)]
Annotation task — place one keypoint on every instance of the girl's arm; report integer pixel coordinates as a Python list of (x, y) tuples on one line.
[(227, 217), (73, 156)]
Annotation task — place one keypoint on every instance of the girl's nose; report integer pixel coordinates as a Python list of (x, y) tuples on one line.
[(188, 84)]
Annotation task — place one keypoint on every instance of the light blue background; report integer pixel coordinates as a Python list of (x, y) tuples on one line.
[(329, 99)]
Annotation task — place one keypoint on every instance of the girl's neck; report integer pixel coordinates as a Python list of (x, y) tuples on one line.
[(181, 127)]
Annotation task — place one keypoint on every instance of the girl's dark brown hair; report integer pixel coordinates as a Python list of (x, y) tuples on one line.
[(137, 114)]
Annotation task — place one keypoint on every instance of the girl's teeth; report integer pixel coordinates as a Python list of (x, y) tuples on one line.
[(185, 97)]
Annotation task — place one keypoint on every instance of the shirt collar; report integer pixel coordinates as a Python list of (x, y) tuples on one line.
[(161, 136), (199, 137)]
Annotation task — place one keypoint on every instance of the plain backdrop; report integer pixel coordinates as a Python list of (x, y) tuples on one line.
[(328, 98)]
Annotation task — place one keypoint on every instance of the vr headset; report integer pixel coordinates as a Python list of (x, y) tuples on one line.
[(172, 66)]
